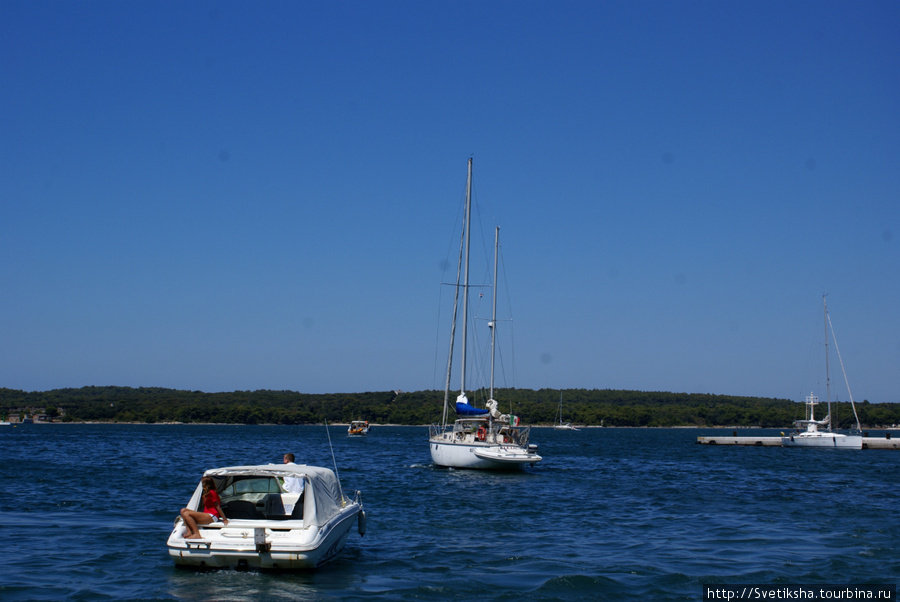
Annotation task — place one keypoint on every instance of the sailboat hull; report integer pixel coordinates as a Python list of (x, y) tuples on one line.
[(480, 456), (835, 440)]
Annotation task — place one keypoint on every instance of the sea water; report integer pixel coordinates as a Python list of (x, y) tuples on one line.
[(609, 514)]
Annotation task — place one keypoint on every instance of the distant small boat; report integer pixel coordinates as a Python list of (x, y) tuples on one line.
[(559, 425), (358, 428), (267, 527), (812, 436)]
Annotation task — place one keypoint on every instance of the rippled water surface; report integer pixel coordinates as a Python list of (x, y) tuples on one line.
[(610, 514)]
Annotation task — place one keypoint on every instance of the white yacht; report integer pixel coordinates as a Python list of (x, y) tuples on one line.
[(268, 528)]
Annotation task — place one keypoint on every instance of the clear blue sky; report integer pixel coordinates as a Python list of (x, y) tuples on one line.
[(226, 196)]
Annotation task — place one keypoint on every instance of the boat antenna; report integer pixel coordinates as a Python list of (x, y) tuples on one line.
[(333, 461)]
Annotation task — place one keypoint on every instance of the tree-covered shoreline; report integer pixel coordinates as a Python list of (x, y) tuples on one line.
[(536, 407)]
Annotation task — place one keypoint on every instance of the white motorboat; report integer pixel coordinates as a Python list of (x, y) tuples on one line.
[(358, 428), (268, 528), (560, 425), (480, 438), (819, 433)]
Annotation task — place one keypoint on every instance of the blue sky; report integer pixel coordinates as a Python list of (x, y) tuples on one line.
[(226, 196)]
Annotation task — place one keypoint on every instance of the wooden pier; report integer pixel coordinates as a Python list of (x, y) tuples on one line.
[(885, 442)]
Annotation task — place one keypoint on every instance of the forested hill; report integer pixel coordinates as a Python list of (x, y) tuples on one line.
[(580, 406)]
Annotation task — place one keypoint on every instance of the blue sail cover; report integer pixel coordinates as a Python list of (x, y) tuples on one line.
[(465, 409)]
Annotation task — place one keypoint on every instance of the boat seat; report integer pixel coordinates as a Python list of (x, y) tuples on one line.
[(283, 506), (241, 509)]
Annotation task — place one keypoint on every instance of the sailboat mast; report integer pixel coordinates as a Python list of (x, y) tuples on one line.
[(827, 370), (494, 306), (462, 386), (453, 330)]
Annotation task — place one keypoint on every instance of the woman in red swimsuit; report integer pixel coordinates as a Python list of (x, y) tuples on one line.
[(212, 510)]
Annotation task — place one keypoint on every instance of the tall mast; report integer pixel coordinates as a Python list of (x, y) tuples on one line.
[(827, 371), (453, 329), (462, 386), (493, 323)]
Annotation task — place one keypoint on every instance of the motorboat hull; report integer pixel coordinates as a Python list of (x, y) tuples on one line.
[(237, 545), (822, 439)]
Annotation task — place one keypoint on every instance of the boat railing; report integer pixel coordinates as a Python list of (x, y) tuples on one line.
[(517, 435), (356, 499)]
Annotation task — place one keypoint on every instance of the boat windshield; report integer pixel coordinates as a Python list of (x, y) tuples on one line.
[(259, 497), (242, 485)]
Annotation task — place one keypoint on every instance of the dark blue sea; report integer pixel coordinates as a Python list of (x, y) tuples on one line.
[(610, 514)]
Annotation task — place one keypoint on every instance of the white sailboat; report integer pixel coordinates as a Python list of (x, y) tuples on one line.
[(813, 436), (480, 438), (559, 424)]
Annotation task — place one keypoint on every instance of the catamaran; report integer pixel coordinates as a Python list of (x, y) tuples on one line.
[(826, 437), (480, 438)]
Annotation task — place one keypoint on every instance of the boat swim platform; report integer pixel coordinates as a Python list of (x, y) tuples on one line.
[(868, 442)]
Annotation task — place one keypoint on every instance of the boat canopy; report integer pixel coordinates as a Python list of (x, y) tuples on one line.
[(322, 492)]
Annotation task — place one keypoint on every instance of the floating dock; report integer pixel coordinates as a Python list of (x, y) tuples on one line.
[(868, 442)]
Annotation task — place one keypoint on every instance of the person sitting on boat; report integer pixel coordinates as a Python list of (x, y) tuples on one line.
[(212, 510), (292, 484)]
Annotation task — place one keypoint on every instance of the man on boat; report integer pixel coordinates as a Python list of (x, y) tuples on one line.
[(292, 484)]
